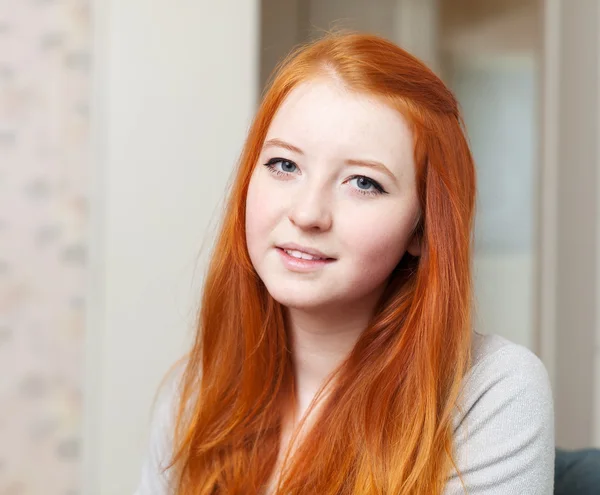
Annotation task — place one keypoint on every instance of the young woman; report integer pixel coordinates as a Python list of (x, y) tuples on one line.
[(335, 352)]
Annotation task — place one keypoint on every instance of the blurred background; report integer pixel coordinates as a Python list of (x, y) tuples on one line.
[(120, 124)]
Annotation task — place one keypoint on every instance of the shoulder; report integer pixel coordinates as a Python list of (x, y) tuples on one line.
[(501, 366), (504, 426)]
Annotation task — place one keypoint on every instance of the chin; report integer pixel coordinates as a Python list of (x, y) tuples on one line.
[(297, 300)]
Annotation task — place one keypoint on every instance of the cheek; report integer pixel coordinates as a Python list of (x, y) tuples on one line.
[(377, 244), (255, 211), (261, 213)]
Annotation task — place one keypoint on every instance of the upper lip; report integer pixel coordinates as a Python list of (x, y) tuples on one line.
[(296, 247)]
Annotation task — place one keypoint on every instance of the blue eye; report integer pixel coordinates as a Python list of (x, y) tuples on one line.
[(286, 166), (367, 186)]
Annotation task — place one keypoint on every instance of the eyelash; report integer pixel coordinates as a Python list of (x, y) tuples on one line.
[(378, 188)]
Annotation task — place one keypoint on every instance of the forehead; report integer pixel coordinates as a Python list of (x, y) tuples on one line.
[(324, 116)]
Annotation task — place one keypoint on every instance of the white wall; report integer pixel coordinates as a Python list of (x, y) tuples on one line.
[(504, 295), (175, 87), (497, 94)]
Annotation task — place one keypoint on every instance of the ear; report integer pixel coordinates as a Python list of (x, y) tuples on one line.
[(414, 246)]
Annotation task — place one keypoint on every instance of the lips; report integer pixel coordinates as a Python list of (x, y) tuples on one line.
[(301, 262), (315, 253)]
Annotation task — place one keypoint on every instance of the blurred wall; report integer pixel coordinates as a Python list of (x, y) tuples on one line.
[(44, 166), (490, 54), (285, 21), (175, 86), (572, 120), (473, 26), (373, 16)]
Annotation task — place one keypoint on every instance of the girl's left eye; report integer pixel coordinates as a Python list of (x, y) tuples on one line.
[(368, 186)]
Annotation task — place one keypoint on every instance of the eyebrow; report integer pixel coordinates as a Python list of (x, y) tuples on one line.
[(282, 144), (375, 165)]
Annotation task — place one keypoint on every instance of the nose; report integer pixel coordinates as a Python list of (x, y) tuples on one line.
[(310, 209)]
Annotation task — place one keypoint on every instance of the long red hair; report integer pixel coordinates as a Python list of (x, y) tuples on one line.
[(386, 426)]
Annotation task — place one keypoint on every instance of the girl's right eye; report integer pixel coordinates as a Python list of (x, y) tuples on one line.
[(281, 166)]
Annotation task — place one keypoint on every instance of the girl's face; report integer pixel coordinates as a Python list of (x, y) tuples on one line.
[(335, 177)]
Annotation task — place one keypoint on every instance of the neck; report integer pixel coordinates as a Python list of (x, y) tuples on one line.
[(321, 340)]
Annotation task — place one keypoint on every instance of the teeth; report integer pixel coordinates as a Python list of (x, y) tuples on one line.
[(301, 255)]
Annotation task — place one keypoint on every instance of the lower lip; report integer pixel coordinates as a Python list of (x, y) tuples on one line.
[(298, 265)]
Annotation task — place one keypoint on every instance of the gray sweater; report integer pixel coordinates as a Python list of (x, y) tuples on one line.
[(504, 437)]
